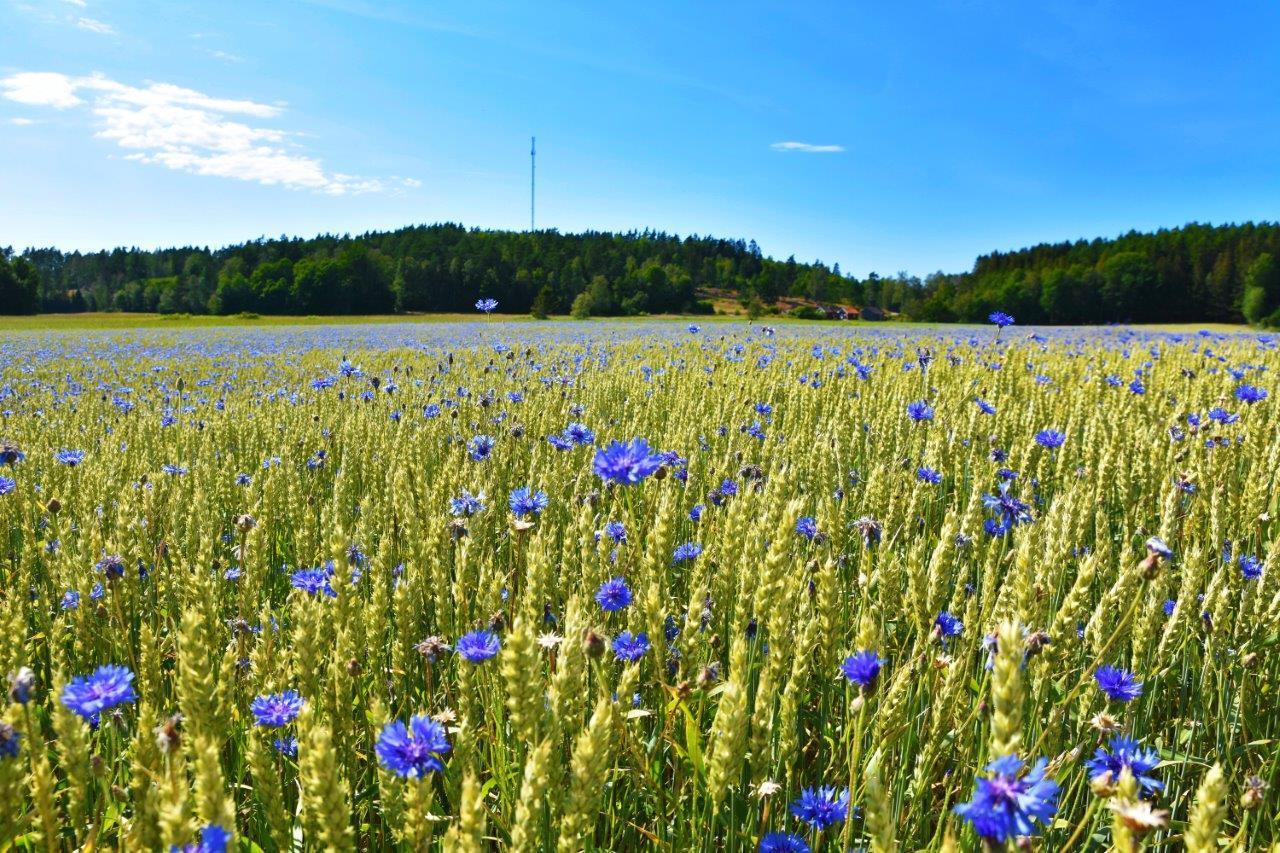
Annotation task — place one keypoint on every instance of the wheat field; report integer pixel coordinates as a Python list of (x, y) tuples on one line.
[(489, 586)]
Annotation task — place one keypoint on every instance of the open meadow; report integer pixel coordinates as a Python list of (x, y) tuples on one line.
[(673, 585)]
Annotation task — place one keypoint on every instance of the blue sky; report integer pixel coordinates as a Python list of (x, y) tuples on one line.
[(921, 134)]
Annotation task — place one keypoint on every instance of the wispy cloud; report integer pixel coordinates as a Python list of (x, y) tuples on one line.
[(189, 131), (20, 121), (807, 147), (79, 3), (225, 56), (95, 26)]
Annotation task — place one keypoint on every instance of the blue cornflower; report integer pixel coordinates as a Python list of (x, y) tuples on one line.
[(286, 746), (862, 668), (559, 442), (106, 687), (7, 485), (1000, 318), (70, 457), (112, 565), (1156, 545), (984, 406), (627, 464), (1011, 510), (696, 511), (579, 433), (613, 595), (1126, 752), (431, 410), (616, 531), (524, 501), (10, 455), (948, 624), (1119, 685), (807, 526), (822, 807), (628, 647), (1250, 394), (9, 741), (70, 600), (1050, 438), (174, 470), (1006, 805), (20, 685), (243, 479), (783, 842), (276, 709), (478, 646), (694, 328), (1250, 566), (1169, 605), (1221, 416), (928, 475), (466, 504), (486, 305), (312, 581), (920, 411), (414, 750), (213, 839), (479, 447), (687, 551)]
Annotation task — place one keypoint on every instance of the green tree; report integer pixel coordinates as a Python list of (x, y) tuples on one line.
[(19, 286), (1128, 281), (272, 282), (581, 308), (541, 308), (1261, 289), (600, 299)]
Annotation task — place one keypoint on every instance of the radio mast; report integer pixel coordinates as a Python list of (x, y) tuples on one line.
[(533, 177)]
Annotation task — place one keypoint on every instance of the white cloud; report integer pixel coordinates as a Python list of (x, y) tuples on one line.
[(42, 89), (79, 3), (95, 26), (225, 56), (21, 121), (806, 147), (189, 131)]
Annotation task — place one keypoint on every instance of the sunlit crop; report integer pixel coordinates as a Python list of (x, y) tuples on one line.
[(639, 586)]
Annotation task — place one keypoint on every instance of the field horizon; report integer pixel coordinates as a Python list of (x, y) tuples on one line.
[(149, 320)]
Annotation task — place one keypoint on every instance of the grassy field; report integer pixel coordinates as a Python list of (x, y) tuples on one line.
[(479, 586)]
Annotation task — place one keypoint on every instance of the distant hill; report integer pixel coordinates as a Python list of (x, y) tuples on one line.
[(441, 267), (1197, 273)]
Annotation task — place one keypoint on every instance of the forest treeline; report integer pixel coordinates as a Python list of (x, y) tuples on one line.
[(431, 268), (1197, 273)]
